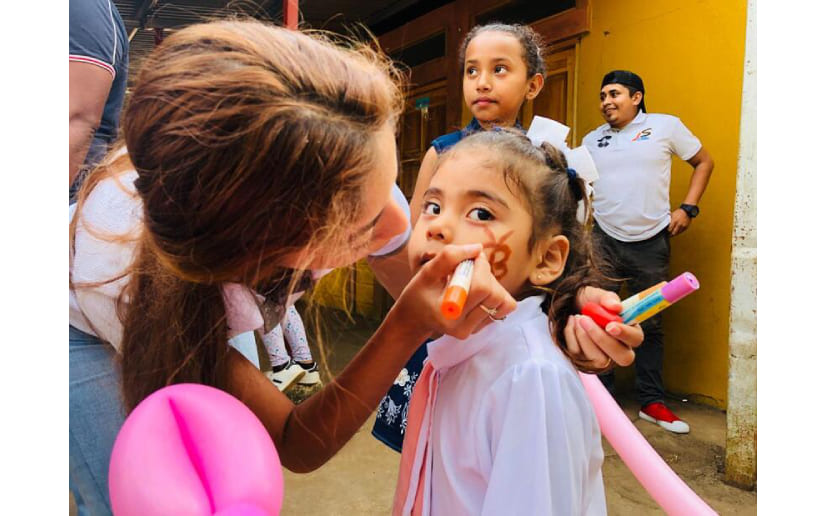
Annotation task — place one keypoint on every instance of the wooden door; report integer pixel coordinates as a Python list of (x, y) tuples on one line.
[(419, 126)]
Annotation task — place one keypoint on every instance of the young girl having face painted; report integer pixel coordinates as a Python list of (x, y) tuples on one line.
[(499, 423), (503, 65)]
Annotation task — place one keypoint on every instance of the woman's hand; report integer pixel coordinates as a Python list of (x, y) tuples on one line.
[(420, 302), (590, 343)]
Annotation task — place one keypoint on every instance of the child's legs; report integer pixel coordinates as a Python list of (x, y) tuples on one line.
[(275, 347), (96, 414), (296, 335)]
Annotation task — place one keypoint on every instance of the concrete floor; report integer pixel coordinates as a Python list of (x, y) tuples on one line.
[(360, 480)]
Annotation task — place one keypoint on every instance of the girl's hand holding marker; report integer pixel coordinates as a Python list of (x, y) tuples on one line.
[(645, 304)]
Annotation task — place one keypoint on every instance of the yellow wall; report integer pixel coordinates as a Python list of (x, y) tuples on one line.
[(690, 54), (335, 290)]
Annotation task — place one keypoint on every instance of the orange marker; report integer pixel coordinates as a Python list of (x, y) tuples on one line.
[(456, 294)]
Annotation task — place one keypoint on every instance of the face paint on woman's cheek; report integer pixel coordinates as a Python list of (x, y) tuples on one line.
[(499, 253)]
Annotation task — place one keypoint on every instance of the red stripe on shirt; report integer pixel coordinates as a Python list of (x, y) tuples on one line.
[(96, 62)]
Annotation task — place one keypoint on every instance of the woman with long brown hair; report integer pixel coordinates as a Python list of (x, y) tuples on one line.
[(253, 158)]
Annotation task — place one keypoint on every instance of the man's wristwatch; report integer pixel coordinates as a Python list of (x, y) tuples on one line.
[(691, 209)]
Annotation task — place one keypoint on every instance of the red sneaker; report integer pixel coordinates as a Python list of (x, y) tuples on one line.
[(659, 414)]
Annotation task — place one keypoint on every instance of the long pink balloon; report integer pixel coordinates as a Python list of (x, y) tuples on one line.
[(664, 486), (192, 450)]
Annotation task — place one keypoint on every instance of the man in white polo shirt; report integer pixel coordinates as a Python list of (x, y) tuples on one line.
[(634, 221)]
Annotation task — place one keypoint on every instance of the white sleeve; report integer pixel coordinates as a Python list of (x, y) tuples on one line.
[(400, 239), (541, 444), (682, 142), (246, 345)]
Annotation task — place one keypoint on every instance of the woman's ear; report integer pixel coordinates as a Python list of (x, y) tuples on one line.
[(534, 86), (552, 257)]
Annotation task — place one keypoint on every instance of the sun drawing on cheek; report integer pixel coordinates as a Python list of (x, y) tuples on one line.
[(499, 253)]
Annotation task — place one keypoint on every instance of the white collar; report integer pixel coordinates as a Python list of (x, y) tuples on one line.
[(448, 351), (640, 118)]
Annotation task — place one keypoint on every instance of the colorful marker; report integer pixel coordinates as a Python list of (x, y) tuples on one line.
[(645, 304), (456, 294), (632, 300)]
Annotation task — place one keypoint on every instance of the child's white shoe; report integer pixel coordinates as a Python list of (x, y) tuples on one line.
[(286, 375), (311, 376)]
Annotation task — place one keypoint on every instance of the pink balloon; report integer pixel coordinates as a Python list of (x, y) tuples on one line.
[(194, 450), (664, 486)]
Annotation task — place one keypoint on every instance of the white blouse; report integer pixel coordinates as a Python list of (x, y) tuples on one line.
[(513, 431)]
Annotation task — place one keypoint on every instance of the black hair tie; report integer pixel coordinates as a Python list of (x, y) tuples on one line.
[(571, 174)]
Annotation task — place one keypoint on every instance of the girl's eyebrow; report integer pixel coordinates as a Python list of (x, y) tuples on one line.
[(487, 195), (433, 191), (495, 60), (473, 194)]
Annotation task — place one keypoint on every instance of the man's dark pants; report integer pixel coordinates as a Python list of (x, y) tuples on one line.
[(642, 264)]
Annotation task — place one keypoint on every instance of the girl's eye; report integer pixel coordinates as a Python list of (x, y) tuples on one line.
[(500, 69), (431, 208), (471, 71), (481, 214)]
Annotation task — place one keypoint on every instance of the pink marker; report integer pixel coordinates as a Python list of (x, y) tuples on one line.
[(661, 298), (645, 304)]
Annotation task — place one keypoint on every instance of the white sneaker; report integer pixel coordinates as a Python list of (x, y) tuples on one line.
[(312, 376), (286, 377)]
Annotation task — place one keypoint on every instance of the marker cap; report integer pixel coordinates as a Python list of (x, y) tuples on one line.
[(453, 302), (679, 287)]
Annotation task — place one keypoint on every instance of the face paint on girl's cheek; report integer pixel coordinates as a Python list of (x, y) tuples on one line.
[(499, 253)]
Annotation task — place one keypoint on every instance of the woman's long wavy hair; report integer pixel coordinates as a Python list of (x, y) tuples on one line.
[(251, 143), (540, 175)]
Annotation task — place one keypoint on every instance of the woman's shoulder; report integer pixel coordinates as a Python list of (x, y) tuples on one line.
[(108, 226), (113, 205)]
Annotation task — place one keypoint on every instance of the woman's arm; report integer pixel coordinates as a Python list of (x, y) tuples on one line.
[(393, 270), (309, 434)]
